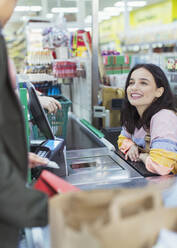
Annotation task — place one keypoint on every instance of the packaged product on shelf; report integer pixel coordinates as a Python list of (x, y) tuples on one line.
[(80, 71), (171, 64), (47, 69), (80, 43), (54, 37), (44, 57), (41, 77), (64, 69), (116, 64)]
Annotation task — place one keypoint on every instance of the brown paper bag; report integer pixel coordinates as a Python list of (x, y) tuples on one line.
[(136, 220), (109, 219), (70, 214)]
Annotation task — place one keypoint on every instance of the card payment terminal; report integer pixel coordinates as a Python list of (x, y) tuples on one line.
[(54, 150)]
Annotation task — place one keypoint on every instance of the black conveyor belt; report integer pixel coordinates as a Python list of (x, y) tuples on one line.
[(79, 138), (138, 166), (111, 134)]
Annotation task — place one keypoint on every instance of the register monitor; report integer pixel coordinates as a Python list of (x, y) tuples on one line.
[(52, 148), (39, 115)]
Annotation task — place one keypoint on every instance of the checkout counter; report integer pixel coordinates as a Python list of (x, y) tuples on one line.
[(92, 163), (91, 160)]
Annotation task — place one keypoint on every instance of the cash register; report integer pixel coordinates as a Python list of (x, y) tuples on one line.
[(52, 148)]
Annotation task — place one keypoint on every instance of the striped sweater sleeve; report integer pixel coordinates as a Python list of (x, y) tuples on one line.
[(124, 141), (162, 158)]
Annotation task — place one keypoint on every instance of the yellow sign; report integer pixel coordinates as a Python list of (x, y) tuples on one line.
[(155, 14), (110, 29), (174, 10)]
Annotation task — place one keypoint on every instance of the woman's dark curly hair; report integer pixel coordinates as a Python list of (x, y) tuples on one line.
[(130, 118)]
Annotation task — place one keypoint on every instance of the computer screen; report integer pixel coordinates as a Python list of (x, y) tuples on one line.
[(39, 114)]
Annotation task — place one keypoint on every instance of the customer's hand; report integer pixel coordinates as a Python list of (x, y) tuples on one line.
[(143, 157), (49, 103), (133, 153), (34, 160)]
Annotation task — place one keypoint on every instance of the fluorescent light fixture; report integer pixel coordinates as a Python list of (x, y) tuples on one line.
[(28, 8), (49, 15), (64, 10), (108, 12), (137, 3), (35, 8), (109, 9), (120, 4), (102, 16), (131, 4), (114, 10), (22, 8), (105, 18)]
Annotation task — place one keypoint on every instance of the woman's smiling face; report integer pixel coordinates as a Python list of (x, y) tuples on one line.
[(142, 89)]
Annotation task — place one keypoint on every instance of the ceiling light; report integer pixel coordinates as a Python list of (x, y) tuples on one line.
[(109, 9), (112, 10), (64, 10), (131, 4), (28, 8), (35, 8), (103, 16), (137, 3), (22, 8)]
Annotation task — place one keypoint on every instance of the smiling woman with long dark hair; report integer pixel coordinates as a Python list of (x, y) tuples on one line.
[(149, 109)]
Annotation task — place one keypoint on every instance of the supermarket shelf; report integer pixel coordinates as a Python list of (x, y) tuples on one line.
[(165, 42)]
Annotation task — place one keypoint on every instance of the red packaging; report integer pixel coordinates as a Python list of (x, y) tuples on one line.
[(51, 184)]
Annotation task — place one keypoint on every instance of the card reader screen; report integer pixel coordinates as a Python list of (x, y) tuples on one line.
[(83, 165), (51, 144)]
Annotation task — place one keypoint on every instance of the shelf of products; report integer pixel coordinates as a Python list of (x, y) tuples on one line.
[(156, 39), (16, 44), (116, 67)]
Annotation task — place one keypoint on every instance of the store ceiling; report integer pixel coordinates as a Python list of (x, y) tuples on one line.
[(49, 4)]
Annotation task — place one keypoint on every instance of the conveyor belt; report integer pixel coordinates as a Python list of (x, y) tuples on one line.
[(79, 137), (138, 166), (111, 134)]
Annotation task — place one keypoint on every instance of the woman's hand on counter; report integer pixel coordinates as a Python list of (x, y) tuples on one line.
[(143, 157), (35, 160), (132, 153)]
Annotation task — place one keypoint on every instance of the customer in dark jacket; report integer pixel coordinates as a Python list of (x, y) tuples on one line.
[(19, 206)]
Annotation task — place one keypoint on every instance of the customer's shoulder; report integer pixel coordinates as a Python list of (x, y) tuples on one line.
[(164, 124), (164, 114)]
